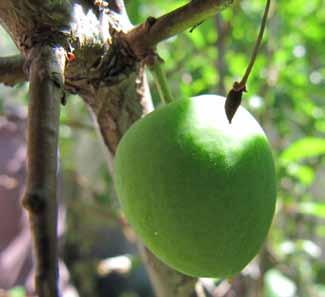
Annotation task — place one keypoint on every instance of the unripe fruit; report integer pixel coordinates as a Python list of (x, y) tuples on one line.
[(199, 192)]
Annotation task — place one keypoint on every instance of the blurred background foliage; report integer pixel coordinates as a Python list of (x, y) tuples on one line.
[(286, 93)]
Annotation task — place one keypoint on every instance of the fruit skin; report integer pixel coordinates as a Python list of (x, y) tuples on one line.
[(199, 192)]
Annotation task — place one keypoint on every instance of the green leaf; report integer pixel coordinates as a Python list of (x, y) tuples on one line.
[(320, 125), (304, 174), (304, 148), (320, 231), (17, 292), (312, 208), (320, 289)]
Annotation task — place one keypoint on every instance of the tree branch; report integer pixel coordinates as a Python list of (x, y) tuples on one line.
[(46, 91), (147, 35), (11, 70)]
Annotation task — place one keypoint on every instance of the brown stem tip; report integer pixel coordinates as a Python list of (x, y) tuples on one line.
[(233, 100)]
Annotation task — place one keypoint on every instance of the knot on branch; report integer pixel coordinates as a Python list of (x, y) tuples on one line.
[(149, 23), (34, 201)]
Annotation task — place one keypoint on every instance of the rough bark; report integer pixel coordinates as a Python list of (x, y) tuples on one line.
[(108, 73), (46, 91)]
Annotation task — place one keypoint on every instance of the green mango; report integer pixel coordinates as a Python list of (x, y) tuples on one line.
[(200, 192)]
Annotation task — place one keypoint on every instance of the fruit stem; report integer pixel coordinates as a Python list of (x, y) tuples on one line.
[(161, 82), (234, 96), (257, 44)]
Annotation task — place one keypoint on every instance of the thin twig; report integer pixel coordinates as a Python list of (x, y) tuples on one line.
[(11, 70), (46, 90), (257, 44)]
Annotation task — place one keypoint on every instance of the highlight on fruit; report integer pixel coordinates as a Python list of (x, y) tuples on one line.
[(200, 192)]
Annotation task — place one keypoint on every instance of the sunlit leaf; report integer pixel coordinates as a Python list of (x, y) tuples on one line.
[(304, 174), (320, 125), (312, 208), (320, 289), (304, 148), (309, 247), (278, 285), (17, 292), (320, 231)]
